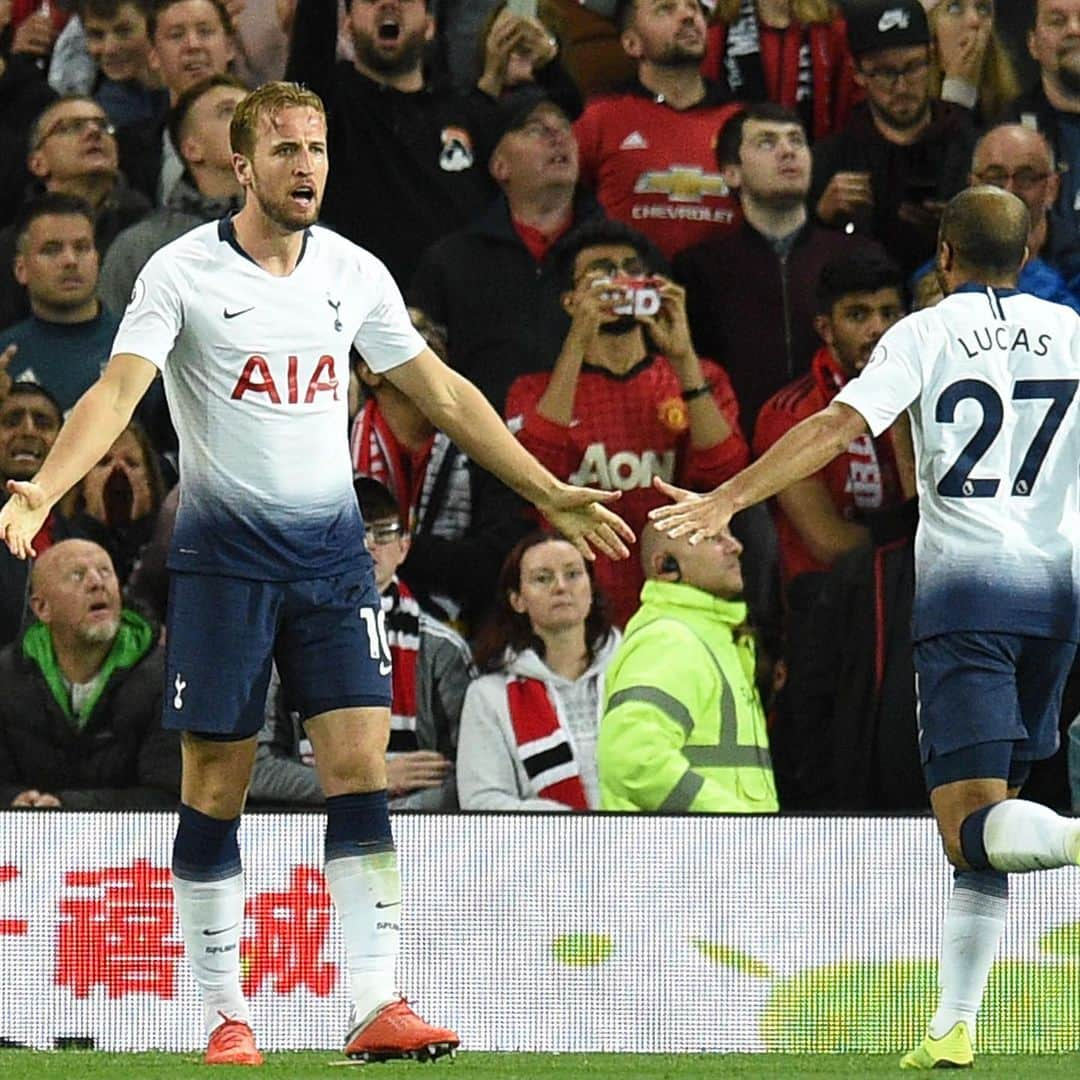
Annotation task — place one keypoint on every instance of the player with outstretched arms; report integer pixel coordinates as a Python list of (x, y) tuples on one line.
[(989, 377), (250, 321)]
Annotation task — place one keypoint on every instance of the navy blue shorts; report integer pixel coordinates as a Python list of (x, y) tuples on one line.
[(976, 688), (327, 636)]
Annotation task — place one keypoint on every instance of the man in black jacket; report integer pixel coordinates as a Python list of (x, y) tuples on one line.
[(903, 154), (404, 150), (1053, 107), (80, 714), (496, 285)]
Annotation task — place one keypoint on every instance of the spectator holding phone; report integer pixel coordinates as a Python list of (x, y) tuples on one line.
[(903, 154), (629, 398)]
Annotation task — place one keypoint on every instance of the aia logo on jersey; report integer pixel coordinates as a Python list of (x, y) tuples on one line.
[(457, 150), (257, 378)]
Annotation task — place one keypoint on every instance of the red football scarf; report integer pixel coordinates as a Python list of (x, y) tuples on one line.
[(543, 745), (403, 634)]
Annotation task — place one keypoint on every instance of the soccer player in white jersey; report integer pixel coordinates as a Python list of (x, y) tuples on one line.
[(250, 321), (989, 377)]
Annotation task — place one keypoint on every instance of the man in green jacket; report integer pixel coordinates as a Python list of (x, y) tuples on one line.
[(80, 706), (683, 726)]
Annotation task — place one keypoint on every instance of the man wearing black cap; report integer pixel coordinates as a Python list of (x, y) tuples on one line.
[(902, 154), (494, 285)]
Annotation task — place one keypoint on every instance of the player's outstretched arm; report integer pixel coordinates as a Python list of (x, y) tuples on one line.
[(94, 424), (799, 453), (455, 406)]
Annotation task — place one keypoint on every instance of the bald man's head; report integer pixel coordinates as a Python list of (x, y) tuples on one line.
[(1018, 159), (986, 229), (712, 565), (74, 591)]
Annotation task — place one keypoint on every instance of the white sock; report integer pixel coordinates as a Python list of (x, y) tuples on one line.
[(366, 890), (973, 926), (212, 922), (1019, 835)]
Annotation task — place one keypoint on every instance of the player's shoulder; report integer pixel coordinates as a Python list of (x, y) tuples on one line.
[(189, 252), (332, 247)]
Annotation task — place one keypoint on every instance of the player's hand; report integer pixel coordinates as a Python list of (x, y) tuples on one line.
[(579, 514), (847, 195), (694, 516), (5, 379), (415, 770), (22, 516)]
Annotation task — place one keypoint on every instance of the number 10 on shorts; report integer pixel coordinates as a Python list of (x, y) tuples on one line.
[(378, 645)]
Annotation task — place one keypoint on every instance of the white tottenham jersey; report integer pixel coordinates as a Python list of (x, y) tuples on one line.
[(990, 377), (256, 371)]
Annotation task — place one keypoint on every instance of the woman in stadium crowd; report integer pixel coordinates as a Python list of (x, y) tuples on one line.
[(529, 725)]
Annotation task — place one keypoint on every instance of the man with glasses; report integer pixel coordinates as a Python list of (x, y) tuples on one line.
[(629, 398), (72, 152), (1020, 159), (903, 154)]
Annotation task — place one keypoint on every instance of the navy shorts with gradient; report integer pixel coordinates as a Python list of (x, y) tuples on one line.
[(326, 635), (977, 688)]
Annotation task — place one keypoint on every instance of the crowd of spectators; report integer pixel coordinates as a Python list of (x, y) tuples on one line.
[(652, 266)]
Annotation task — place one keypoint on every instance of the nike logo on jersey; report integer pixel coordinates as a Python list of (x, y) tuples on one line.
[(393, 903), (233, 314)]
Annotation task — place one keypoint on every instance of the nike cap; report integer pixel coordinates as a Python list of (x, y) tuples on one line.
[(873, 25)]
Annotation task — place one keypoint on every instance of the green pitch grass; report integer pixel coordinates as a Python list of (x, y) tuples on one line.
[(82, 1065)]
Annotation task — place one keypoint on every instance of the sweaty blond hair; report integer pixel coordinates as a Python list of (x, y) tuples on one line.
[(268, 100)]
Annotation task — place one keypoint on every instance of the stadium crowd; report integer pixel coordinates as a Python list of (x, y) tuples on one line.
[(656, 234)]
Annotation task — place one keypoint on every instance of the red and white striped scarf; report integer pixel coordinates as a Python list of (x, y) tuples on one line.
[(543, 744), (403, 633)]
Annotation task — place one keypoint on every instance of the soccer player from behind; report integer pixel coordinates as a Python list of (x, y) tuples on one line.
[(989, 377), (250, 321)]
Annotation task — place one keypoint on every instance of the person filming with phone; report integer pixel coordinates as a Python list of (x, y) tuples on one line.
[(629, 398)]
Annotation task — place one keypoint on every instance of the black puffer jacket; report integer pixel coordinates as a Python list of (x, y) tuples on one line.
[(121, 760)]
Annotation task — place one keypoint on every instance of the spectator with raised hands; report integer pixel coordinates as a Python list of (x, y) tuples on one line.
[(513, 50)]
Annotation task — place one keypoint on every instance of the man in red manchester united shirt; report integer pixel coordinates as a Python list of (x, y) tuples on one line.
[(649, 151), (629, 398), (859, 296)]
